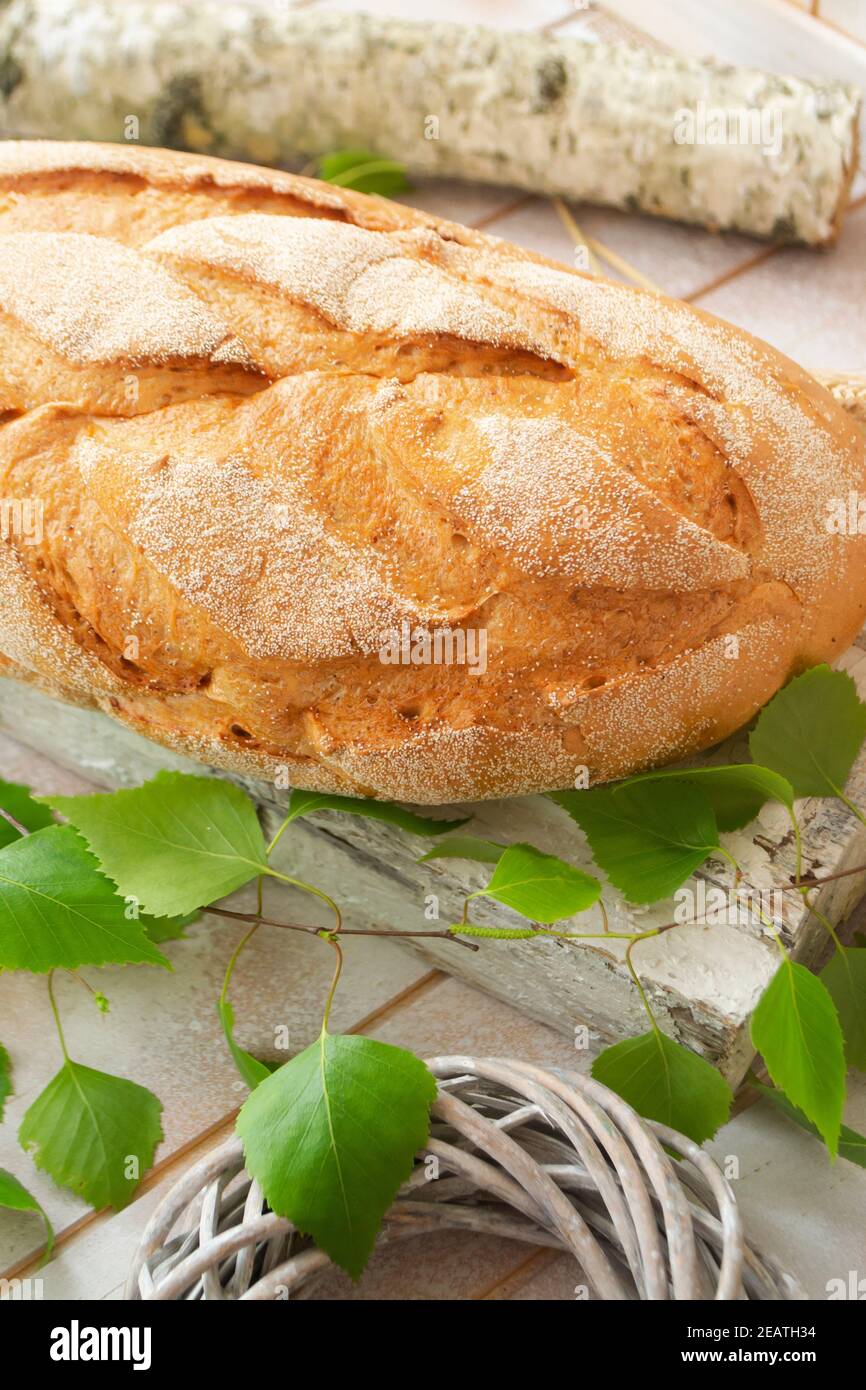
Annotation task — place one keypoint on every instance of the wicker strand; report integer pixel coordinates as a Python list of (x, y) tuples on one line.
[(849, 390)]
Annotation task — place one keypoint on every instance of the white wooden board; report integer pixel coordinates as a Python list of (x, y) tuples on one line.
[(703, 980)]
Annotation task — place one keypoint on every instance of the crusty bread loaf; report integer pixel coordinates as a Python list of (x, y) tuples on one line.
[(277, 430)]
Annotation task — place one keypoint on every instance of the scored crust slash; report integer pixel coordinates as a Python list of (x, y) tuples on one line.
[(272, 425)]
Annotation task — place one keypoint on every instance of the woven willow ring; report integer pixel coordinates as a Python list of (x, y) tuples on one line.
[(549, 1158)]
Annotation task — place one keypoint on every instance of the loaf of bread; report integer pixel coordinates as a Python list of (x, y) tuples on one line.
[(314, 487)]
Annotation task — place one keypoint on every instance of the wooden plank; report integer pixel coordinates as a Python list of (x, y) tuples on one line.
[(702, 980)]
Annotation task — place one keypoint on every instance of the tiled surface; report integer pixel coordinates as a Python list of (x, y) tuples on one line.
[(470, 203), (795, 1205), (455, 1018), (680, 260), (849, 15), (455, 1265), (162, 1029), (808, 304), (536, 225)]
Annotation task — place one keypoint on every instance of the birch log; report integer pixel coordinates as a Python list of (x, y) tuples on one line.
[(621, 125)]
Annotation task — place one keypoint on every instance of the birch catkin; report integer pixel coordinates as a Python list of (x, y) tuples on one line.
[(629, 127)]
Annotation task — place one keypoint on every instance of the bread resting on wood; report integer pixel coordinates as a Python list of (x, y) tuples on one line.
[(278, 434)]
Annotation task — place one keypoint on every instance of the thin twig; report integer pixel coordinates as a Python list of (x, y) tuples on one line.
[(421, 935), (345, 931), (16, 825), (812, 881), (264, 921)]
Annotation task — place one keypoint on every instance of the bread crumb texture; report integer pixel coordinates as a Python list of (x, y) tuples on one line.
[(310, 485)]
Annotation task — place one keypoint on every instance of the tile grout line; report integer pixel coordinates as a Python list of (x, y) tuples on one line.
[(395, 1005), (814, 12), (550, 25), (766, 253), (219, 1128), (505, 210), (523, 1272), (760, 257)]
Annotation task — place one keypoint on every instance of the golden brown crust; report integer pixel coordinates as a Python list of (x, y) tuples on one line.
[(282, 436)]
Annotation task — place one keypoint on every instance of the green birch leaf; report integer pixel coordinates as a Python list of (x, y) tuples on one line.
[(649, 837), (58, 910), (845, 978), (796, 1029), (15, 1197), (160, 929), (665, 1081), (5, 1079), (366, 172), (251, 1069), (332, 1135), (540, 886), (465, 847), (812, 731), (736, 792), (176, 843), (302, 803), (93, 1133), (851, 1144), (20, 804)]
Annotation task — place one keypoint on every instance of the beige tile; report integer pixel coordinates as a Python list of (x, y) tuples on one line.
[(454, 1018), (469, 203), (94, 1265), (795, 1204), (536, 226), (558, 1281), (849, 15), (807, 303), (450, 1265), (677, 259), (758, 33), (599, 24)]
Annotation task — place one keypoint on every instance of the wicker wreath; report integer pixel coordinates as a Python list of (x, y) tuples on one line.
[(849, 390), (550, 1158)]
